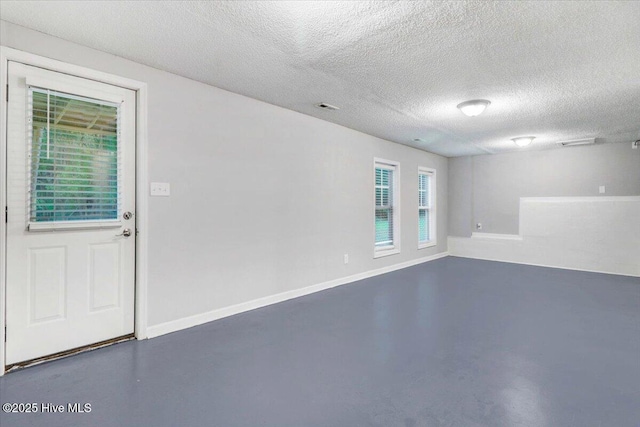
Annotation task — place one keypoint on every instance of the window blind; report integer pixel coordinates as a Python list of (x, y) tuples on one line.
[(74, 158), (424, 207), (384, 206)]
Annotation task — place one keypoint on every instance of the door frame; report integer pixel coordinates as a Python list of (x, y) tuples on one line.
[(142, 179)]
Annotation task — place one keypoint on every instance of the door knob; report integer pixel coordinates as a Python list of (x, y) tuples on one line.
[(126, 233)]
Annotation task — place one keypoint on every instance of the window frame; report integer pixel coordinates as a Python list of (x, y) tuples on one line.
[(431, 207), (41, 84), (394, 248)]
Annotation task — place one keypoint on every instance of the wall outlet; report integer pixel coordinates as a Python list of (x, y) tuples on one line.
[(635, 144), (479, 226), (601, 189), (346, 258), (162, 189)]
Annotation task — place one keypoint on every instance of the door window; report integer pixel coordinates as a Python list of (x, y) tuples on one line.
[(74, 158)]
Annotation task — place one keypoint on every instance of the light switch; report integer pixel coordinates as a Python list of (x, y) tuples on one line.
[(162, 189), (601, 189)]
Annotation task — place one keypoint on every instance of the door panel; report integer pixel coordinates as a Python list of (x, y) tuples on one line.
[(104, 276), (70, 178), (47, 290)]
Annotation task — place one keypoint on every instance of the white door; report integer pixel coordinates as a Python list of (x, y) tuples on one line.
[(71, 205)]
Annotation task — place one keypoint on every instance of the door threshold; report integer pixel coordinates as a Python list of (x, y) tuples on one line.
[(67, 353)]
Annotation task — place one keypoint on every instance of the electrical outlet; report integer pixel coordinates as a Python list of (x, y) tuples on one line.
[(346, 258), (162, 189), (479, 226), (601, 189)]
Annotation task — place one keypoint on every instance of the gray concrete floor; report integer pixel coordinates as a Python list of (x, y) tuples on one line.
[(454, 342)]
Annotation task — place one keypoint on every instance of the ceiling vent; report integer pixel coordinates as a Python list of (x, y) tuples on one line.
[(586, 141), (325, 106)]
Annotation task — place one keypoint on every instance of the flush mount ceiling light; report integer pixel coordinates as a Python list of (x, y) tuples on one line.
[(474, 107), (523, 141)]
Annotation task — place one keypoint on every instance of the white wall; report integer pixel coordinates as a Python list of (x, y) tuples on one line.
[(460, 198), (264, 200), (488, 188), (577, 228), (585, 233)]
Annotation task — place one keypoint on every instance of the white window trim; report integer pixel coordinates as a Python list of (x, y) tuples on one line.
[(432, 208), (42, 85), (394, 249)]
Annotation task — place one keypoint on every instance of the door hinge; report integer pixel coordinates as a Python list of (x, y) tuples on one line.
[(6, 214), (7, 93), (5, 333)]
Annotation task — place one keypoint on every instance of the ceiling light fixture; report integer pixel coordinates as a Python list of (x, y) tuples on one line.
[(585, 141), (523, 141), (325, 106), (474, 107)]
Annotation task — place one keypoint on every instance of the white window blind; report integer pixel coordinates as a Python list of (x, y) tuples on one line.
[(426, 212), (386, 208), (74, 158)]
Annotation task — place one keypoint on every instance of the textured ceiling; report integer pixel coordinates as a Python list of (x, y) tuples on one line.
[(556, 70)]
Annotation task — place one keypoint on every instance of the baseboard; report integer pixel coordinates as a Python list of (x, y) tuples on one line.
[(198, 319)]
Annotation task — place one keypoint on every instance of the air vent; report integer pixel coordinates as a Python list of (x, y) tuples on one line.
[(586, 141), (325, 106)]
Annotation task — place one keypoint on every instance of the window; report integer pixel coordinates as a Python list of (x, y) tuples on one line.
[(387, 208), (73, 159), (426, 207)]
